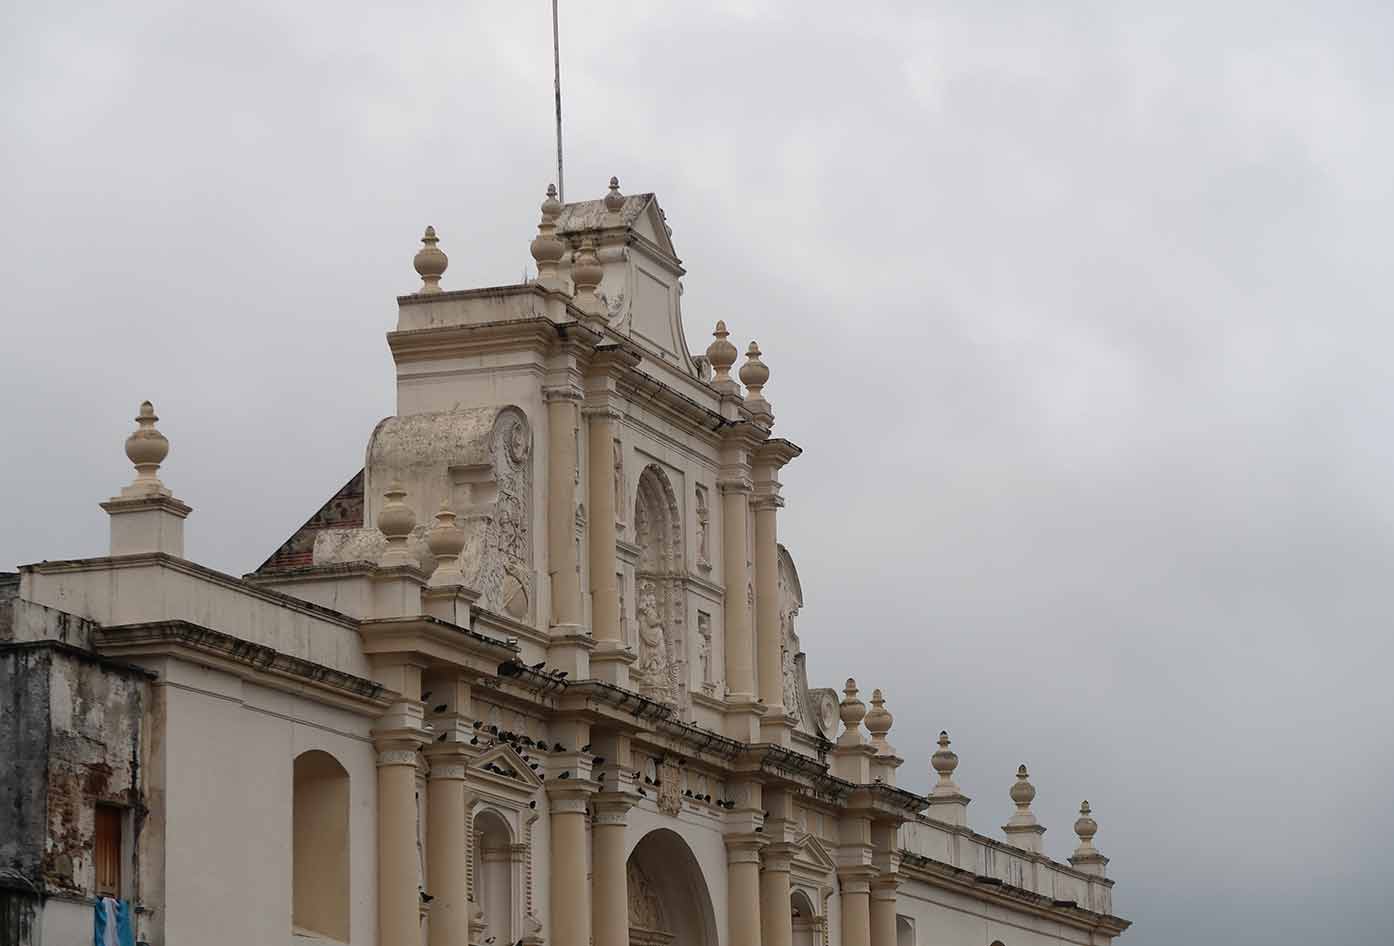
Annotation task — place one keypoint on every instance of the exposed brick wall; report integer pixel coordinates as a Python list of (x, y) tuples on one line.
[(343, 511)]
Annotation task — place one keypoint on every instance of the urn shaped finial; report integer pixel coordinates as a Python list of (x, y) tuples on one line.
[(721, 355), (430, 262), (396, 520), (614, 200), (446, 540), (755, 374), (146, 448), (546, 249)]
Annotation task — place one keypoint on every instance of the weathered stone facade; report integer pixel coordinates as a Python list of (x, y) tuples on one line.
[(533, 676)]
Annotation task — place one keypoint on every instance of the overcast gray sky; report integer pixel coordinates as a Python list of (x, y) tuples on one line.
[(1081, 313)]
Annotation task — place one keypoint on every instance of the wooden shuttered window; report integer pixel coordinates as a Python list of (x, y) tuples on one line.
[(108, 850)]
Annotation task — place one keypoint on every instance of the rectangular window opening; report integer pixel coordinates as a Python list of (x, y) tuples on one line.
[(107, 849)]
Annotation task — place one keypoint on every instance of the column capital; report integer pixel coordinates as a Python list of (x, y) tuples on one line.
[(761, 500), (733, 482), (600, 410), (571, 797), (779, 856), (447, 760), (885, 885), (743, 848), (611, 808), (398, 746), (561, 392), (856, 879)]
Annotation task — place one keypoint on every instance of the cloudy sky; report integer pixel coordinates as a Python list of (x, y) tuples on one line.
[(1080, 311)]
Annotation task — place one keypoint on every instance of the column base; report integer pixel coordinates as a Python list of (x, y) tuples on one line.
[(570, 649), (610, 662), (742, 719), (777, 727)]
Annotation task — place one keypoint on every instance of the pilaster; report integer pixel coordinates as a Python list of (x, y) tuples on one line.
[(610, 890), (570, 917), (743, 888), (447, 843)]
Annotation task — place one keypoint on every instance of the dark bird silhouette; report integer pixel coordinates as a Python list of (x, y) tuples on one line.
[(478, 723), (533, 803), (539, 665), (564, 775), (759, 829), (441, 737), (560, 674), (642, 792), (586, 747), (559, 747), (425, 696), (687, 793), (599, 760), (441, 708), (474, 740), (493, 729), (426, 897), (490, 940)]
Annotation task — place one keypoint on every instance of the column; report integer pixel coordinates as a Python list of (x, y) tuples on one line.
[(600, 512), (743, 889), (768, 632), (776, 916), (570, 903), (740, 672), (399, 901), (447, 843), (856, 907), (561, 506), (609, 884), (883, 890)]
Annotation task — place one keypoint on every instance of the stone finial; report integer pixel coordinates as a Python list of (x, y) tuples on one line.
[(430, 262), (1087, 857), (944, 762), (586, 273), (1023, 830), (146, 448), (852, 711), (755, 374), (878, 723), (614, 200), (546, 249), (446, 540), (721, 355), (395, 521)]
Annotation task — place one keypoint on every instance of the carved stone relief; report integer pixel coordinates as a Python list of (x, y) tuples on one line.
[(660, 672), (704, 514), (669, 787), (704, 631)]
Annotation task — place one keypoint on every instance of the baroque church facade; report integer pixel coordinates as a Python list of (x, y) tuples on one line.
[(532, 676)]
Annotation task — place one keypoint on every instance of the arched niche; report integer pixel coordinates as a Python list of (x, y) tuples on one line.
[(660, 575), (494, 891), (807, 923), (904, 931), (669, 904), (320, 846)]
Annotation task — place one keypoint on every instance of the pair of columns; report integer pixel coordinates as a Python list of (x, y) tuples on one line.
[(604, 902), (868, 907), (399, 898)]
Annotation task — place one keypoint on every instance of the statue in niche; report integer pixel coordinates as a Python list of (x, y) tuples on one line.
[(654, 668), (704, 514), (789, 648), (704, 630)]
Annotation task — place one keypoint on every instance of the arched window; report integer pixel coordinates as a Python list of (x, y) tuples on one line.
[(320, 842), (494, 875), (805, 920)]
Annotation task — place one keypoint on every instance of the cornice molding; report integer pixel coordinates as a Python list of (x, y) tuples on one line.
[(258, 663)]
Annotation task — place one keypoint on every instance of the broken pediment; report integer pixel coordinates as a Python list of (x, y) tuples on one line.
[(641, 286)]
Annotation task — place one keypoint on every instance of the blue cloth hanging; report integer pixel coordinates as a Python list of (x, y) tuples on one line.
[(111, 923)]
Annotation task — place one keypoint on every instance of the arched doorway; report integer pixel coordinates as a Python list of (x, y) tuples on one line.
[(668, 900)]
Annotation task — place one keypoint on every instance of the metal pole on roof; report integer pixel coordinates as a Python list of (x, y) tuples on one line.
[(556, 83)]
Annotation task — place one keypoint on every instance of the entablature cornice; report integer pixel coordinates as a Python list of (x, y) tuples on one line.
[(436, 640), (776, 452), (992, 890), (253, 662), (536, 334)]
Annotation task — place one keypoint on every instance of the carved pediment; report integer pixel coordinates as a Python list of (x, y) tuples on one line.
[(504, 768), (813, 857)]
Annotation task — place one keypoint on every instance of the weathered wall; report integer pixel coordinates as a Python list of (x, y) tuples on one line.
[(24, 734)]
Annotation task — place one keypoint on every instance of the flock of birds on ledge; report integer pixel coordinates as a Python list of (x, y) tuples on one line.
[(487, 737)]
